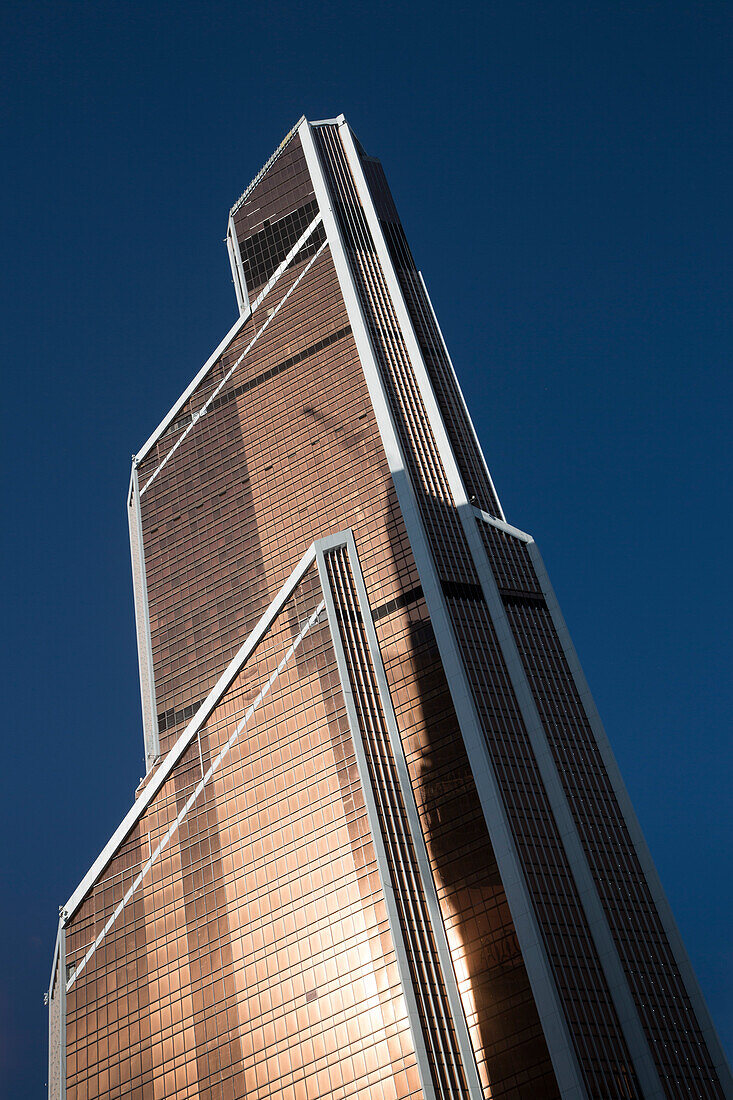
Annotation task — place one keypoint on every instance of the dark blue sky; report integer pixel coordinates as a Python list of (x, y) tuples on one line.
[(564, 175)]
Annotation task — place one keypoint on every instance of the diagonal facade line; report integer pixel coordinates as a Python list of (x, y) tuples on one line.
[(213, 767), (202, 411)]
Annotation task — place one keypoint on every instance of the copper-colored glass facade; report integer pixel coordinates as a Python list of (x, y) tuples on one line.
[(381, 848)]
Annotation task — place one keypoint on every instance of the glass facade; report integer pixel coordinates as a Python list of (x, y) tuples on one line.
[(238, 943), (346, 872)]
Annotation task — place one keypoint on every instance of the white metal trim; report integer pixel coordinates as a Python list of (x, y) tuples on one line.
[(351, 301), (403, 965), (56, 952), (62, 1012), (629, 1019), (463, 1037), (221, 348), (58, 972), (213, 767), (610, 962), (502, 525), (195, 417), (192, 386), (275, 277), (146, 674), (235, 262), (625, 805), (558, 1038), (425, 386), (166, 767), (268, 164), (608, 955)]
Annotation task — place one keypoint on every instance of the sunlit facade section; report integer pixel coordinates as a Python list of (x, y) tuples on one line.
[(381, 848), (238, 941)]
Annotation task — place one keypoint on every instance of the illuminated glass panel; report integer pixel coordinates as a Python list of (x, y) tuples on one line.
[(238, 942)]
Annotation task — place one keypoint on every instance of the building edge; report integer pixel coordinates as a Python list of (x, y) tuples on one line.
[(554, 1025), (641, 847), (540, 972)]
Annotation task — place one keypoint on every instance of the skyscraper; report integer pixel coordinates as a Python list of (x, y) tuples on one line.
[(382, 848)]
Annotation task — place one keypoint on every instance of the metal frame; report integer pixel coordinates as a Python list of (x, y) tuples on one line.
[(322, 547), (612, 963), (534, 953), (502, 525), (413, 820), (213, 767), (235, 262), (222, 347), (189, 733), (272, 314), (151, 734), (58, 966), (629, 1019), (562, 1052), (539, 970), (416, 831)]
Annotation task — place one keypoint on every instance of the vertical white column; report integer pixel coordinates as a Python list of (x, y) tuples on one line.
[(235, 262), (423, 1063), (416, 833), (142, 624), (608, 955), (56, 1001), (562, 1052)]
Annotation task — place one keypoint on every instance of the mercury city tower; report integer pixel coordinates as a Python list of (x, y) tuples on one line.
[(382, 848)]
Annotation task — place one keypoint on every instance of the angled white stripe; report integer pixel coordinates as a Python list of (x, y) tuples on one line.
[(501, 525), (176, 752), (214, 766), (307, 232), (202, 411), (233, 331)]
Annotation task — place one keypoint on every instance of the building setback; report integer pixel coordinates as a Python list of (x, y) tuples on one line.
[(382, 848)]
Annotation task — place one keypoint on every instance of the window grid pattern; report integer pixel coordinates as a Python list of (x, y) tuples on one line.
[(254, 957), (171, 1003), (510, 561), (264, 251), (285, 187), (590, 1013), (427, 978), (659, 993)]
